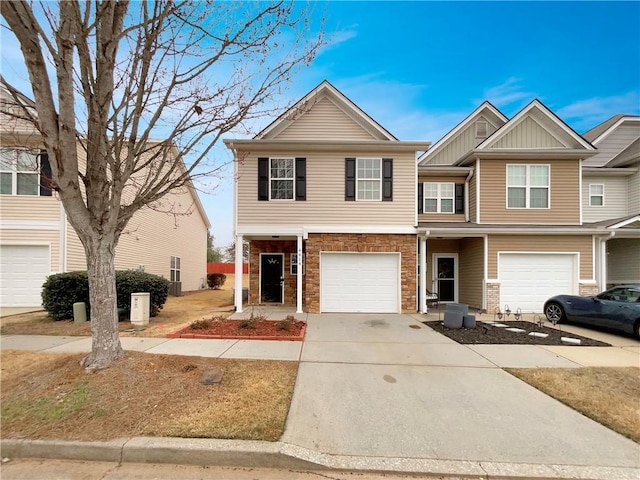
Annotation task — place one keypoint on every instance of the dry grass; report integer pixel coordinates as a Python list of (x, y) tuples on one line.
[(49, 396), (177, 312), (607, 395)]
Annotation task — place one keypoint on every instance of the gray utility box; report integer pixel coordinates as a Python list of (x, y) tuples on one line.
[(140, 306)]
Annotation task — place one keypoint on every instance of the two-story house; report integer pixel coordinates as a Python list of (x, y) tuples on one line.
[(37, 240), (326, 198), (342, 217)]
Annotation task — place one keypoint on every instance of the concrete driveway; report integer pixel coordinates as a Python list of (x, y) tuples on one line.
[(378, 386)]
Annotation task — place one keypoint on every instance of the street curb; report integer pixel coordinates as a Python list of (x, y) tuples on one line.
[(259, 454)]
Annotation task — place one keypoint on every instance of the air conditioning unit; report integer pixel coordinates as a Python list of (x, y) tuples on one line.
[(175, 289)]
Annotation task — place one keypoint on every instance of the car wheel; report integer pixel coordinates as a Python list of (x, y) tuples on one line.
[(636, 329), (554, 312)]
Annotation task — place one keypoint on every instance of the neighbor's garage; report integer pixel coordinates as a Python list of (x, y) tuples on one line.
[(527, 280), (23, 270), (360, 282)]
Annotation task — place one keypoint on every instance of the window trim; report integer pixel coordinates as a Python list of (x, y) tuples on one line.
[(527, 186), (175, 274), (439, 198), (592, 195), (292, 180), (357, 180), (293, 264), (15, 172)]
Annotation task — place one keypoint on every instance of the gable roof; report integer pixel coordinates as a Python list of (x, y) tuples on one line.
[(555, 128), (628, 155), (325, 90), (485, 108), (599, 132)]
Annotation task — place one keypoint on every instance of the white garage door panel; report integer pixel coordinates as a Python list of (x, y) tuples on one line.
[(359, 282), (23, 270), (528, 280)]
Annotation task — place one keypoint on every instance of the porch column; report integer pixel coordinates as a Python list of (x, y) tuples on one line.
[(299, 276), (423, 275), (238, 274)]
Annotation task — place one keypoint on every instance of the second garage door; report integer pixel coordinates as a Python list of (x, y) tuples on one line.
[(23, 270), (360, 282), (527, 280)]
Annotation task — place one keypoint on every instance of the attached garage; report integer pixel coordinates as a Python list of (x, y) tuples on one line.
[(23, 270), (360, 282), (527, 280)]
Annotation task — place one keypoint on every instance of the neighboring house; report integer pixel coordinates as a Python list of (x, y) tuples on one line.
[(36, 240), (326, 198), (342, 217)]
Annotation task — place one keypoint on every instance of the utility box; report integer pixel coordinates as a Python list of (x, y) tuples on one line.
[(79, 312), (140, 303)]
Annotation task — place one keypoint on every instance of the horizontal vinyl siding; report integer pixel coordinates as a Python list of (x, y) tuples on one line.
[(473, 183), (471, 271), (441, 217), (528, 134), (325, 203), (76, 259), (634, 193), (613, 144), (539, 243), (35, 237), (324, 121), (623, 260), (564, 194), (616, 199), (29, 207)]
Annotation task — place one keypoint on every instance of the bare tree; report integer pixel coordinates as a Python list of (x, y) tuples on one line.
[(110, 76)]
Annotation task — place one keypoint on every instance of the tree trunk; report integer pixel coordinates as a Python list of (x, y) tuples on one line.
[(106, 347)]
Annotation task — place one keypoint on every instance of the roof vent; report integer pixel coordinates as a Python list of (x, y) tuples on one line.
[(481, 130)]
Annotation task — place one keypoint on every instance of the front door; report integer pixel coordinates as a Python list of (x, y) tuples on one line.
[(271, 277), (445, 276)]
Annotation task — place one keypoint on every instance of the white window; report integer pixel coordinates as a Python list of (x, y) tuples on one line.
[(368, 179), (175, 269), (596, 195), (481, 130), (281, 179), (527, 186), (439, 197), (294, 263), (19, 172)]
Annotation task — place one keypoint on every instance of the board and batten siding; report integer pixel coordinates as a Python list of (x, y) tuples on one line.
[(324, 121), (582, 244), (461, 143), (528, 134), (616, 198), (51, 238), (623, 260), (613, 144), (564, 194), (441, 217), (471, 271), (325, 203)]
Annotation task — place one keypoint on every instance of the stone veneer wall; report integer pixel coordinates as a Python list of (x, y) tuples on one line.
[(361, 243), (272, 246), (493, 297), (587, 289)]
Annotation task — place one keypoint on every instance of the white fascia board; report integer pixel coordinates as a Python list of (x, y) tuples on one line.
[(506, 230), (625, 222), (291, 231), (382, 146), (609, 171), (613, 127), (30, 224)]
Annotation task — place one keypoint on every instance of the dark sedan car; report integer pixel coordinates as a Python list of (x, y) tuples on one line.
[(617, 308)]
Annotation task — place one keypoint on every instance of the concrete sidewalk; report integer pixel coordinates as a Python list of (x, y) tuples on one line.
[(376, 393)]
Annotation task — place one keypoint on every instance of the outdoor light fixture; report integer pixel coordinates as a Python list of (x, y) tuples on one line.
[(507, 310), (518, 314)]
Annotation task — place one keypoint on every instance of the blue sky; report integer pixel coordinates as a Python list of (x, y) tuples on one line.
[(419, 68)]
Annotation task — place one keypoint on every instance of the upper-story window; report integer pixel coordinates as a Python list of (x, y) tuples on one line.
[(439, 197), (21, 171), (527, 186), (282, 178), (369, 179), (596, 195)]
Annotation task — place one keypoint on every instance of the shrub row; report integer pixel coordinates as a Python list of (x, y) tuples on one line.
[(62, 290)]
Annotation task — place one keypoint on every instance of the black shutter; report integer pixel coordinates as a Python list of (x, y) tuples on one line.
[(301, 178), (420, 197), (350, 179), (45, 174), (387, 179), (263, 179), (459, 197)]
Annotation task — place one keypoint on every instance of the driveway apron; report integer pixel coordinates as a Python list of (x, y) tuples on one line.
[(377, 386)]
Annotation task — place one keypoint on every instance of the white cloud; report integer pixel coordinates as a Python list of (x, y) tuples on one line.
[(586, 114), (334, 39), (507, 93)]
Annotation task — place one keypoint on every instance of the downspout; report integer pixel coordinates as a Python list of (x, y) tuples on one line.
[(466, 194)]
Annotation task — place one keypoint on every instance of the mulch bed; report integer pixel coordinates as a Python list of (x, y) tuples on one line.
[(230, 329), (497, 335)]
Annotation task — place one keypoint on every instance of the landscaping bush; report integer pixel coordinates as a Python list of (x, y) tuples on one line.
[(62, 290), (216, 280)]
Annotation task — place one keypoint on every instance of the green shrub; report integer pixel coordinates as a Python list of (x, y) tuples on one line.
[(216, 280), (62, 290)]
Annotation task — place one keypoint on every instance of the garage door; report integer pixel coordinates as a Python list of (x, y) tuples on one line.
[(360, 282), (528, 280), (23, 270)]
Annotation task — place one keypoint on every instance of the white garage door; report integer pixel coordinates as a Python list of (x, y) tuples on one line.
[(360, 282), (528, 280), (23, 270)]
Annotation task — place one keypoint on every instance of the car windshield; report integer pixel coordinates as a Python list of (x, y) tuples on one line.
[(621, 294)]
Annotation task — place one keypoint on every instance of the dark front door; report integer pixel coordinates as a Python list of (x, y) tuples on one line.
[(271, 277), (446, 280)]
